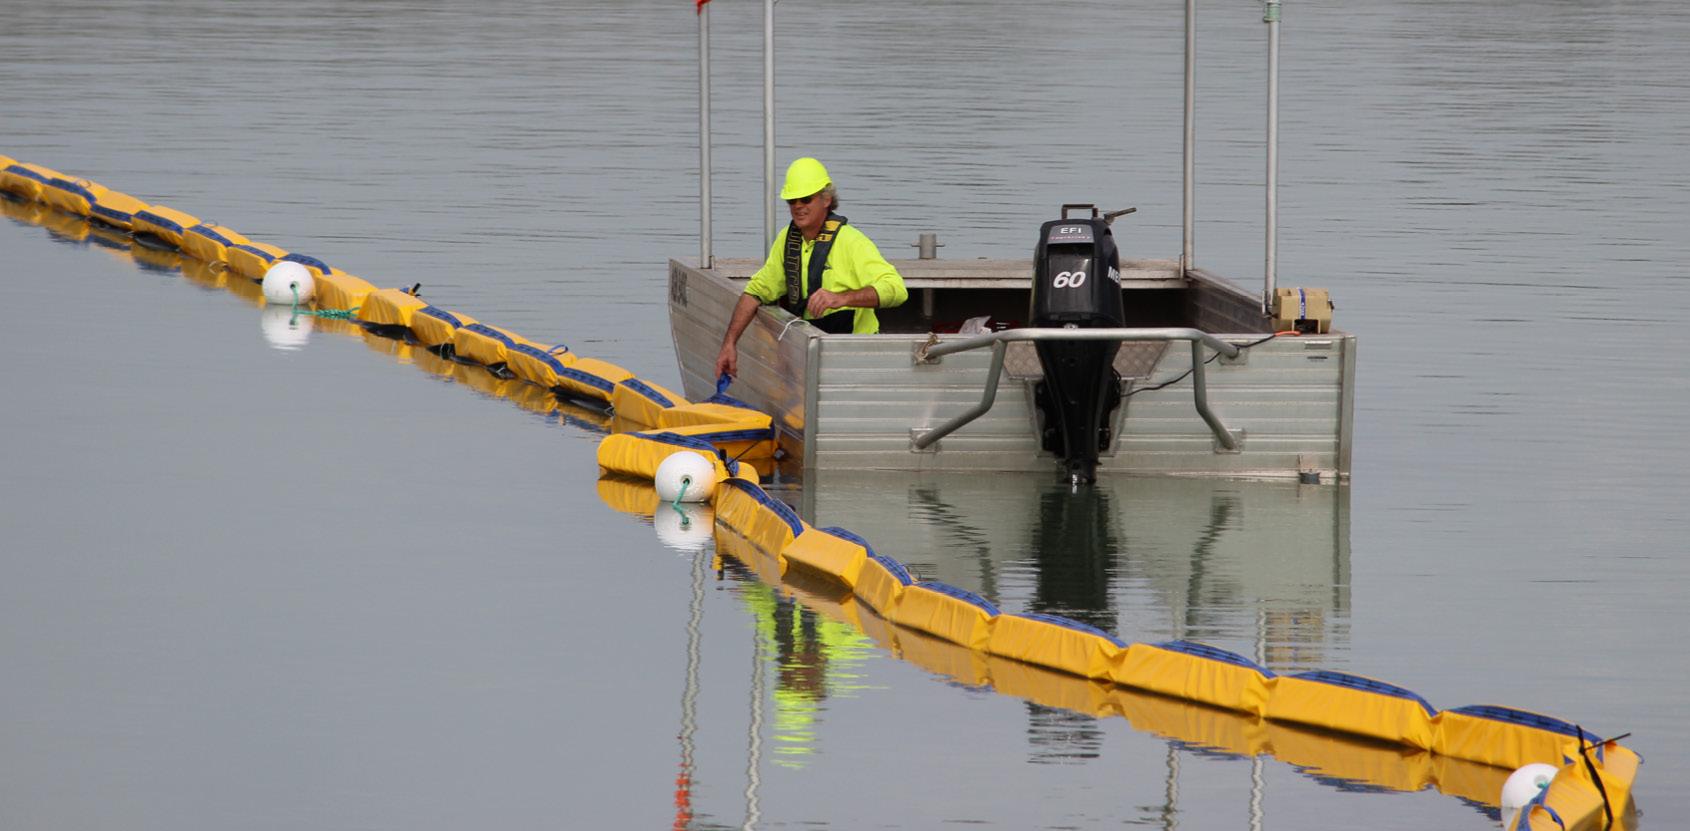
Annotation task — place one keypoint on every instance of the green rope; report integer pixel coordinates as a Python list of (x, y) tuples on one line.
[(338, 314), (680, 496)]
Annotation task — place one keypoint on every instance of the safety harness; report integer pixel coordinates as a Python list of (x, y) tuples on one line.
[(797, 299)]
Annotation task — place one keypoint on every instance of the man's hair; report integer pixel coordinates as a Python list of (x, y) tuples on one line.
[(833, 197)]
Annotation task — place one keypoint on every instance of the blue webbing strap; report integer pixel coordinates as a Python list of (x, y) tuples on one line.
[(964, 595), (1523, 718), (1356, 682), (1070, 623), (155, 219), (483, 329), (722, 397), (1203, 650), (898, 571), (780, 508), (28, 174), (257, 252), (543, 357), (71, 187), (441, 314), (307, 260), (642, 388)]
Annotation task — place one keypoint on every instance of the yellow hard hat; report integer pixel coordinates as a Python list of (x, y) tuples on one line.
[(804, 177)]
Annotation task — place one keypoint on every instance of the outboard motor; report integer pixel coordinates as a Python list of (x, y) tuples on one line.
[(1077, 285)]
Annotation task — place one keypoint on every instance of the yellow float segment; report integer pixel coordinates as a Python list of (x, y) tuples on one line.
[(210, 243), (168, 224), (641, 401), (638, 455), (925, 608), (1574, 801), (27, 180), (743, 445), (822, 553), (340, 291), (1333, 701), (1165, 669), (757, 516), (1047, 643), (389, 307), (76, 196), (593, 379), (880, 587), (540, 365), (5, 162), (707, 413), (434, 326), (1501, 736), (252, 259), (117, 209), (485, 344)]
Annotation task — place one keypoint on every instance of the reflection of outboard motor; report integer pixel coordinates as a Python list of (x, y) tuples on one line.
[(1077, 285)]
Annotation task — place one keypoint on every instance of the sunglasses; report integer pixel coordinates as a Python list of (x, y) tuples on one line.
[(804, 200)]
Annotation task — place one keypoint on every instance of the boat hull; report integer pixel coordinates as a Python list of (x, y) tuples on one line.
[(856, 402)]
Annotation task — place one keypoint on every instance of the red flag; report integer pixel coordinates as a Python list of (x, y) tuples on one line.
[(701, 5)]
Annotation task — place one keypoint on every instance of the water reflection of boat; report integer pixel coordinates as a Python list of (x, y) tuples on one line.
[(1249, 566)]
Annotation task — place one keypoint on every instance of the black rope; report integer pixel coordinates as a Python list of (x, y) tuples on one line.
[(1182, 376), (1584, 753)]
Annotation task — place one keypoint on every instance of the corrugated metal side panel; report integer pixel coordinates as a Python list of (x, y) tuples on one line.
[(872, 395), (1287, 398)]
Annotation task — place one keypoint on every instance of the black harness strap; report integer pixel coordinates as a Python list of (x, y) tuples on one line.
[(797, 299)]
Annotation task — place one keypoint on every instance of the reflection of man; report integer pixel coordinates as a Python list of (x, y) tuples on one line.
[(809, 652), (818, 267)]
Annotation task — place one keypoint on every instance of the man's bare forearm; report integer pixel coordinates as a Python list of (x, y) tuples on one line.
[(742, 316)]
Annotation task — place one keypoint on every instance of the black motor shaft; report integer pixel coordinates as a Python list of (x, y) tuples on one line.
[(1077, 285)]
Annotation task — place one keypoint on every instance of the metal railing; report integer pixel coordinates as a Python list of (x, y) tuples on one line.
[(999, 342)]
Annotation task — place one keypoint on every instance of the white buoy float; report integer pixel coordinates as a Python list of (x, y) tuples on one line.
[(685, 477), (685, 528), (1522, 787), (285, 329), (285, 278)]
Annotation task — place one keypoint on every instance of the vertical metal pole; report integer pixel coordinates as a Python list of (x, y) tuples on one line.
[(705, 258), (768, 124), (1270, 16), (1190, 135)]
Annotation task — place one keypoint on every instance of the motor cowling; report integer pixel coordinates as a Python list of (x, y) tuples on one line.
[(1077, 285)]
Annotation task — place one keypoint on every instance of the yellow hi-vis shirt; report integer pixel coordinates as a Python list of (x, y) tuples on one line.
[(853, 263)]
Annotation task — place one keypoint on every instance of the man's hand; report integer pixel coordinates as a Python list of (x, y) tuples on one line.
[(727, 360), (824, 301)]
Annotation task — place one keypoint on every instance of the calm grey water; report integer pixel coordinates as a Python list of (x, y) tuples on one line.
[(338, 587)]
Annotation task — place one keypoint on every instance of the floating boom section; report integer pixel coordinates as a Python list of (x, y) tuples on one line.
[(1336, 724)]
